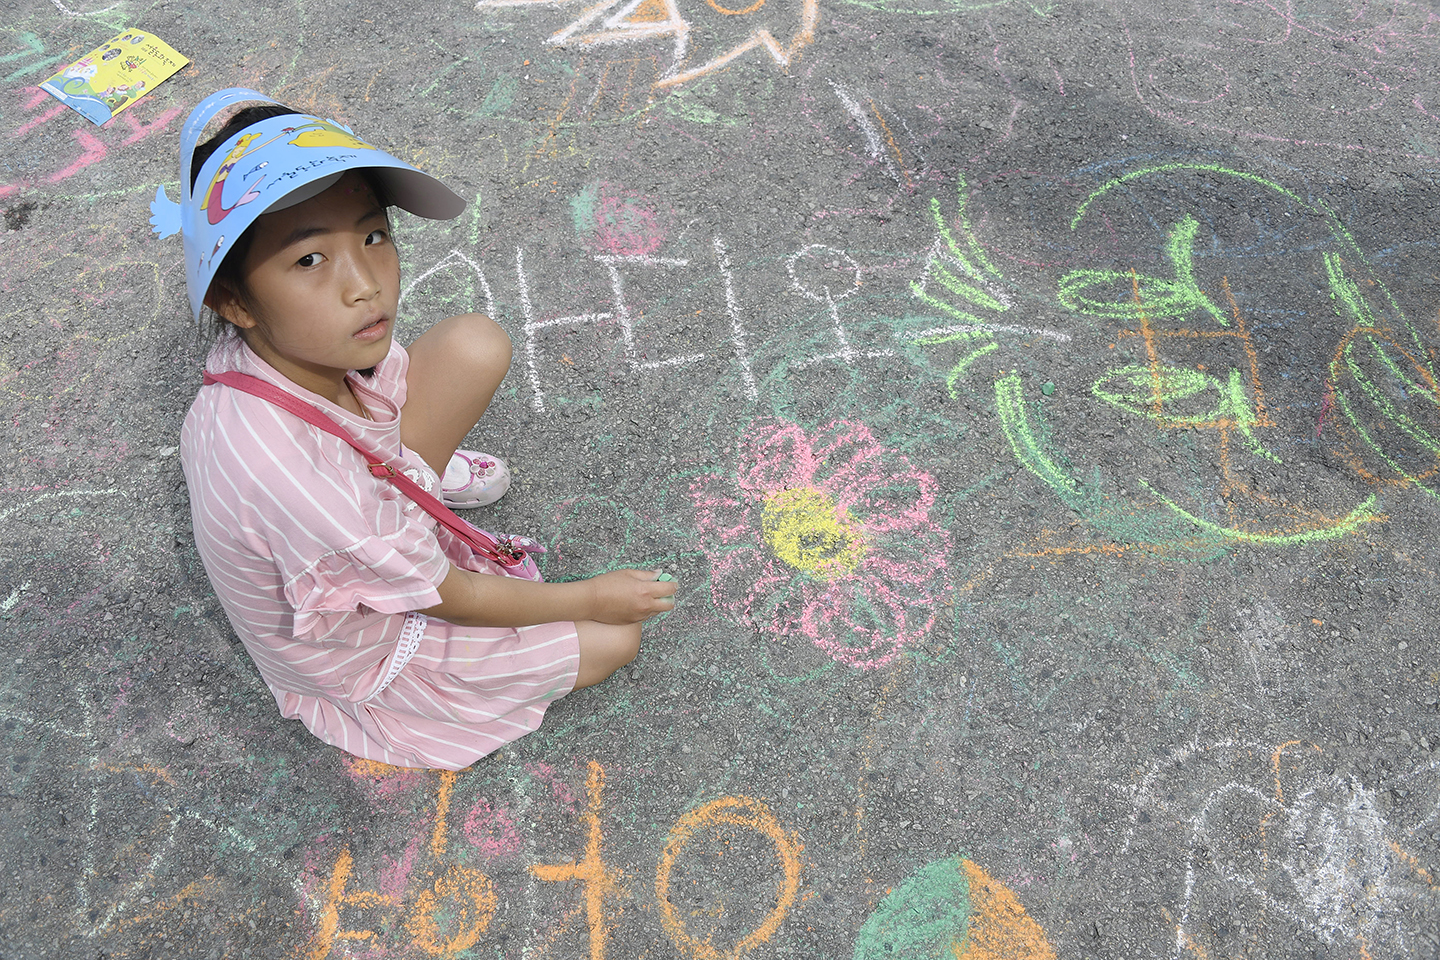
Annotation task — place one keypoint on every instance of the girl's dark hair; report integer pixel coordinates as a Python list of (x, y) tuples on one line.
[(249, 116), (228, 273)]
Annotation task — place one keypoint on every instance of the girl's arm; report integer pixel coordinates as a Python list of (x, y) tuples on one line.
[(472, 599)]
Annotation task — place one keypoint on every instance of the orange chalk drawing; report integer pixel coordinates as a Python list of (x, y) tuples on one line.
[(952, 909), (442, 810), (463, 898), (337, 898), (447, 916), (748, 814), (600, 881), (782, 30), (1000, 929), (470, 897)]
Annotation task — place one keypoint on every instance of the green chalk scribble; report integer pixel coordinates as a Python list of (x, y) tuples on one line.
[(1083, 290), (1365, 513)]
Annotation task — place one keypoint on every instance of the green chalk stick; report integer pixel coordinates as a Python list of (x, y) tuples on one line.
[(665, 578)]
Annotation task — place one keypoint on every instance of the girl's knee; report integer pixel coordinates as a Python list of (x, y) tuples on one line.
[(627, 646), (476, 343), (604, 648), (485, 340)]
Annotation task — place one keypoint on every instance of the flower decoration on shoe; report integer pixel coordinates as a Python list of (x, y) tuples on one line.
[(473, 480), (827, 535)]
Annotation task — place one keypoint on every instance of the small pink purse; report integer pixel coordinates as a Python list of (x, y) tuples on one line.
[(512, 553)]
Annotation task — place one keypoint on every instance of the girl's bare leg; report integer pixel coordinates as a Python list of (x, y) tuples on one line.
[(604, 648), (455, 368)]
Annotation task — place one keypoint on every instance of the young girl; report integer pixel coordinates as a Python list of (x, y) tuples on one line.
[(384, 632)]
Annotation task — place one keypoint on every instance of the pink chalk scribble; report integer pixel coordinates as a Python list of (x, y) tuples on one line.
[(381, 781), (394, 872), (491, 830), (618, 222), (560, 790), (828, 535)]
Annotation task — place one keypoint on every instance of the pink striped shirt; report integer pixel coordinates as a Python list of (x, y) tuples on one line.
[(317, 564)]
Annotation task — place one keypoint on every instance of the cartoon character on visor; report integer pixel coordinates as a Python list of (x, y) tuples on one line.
[(271, 165)]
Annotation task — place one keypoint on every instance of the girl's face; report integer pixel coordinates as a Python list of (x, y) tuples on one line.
[(322, 282)]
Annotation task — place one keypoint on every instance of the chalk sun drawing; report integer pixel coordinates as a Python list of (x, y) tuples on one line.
[(826, 535), (703, 38)]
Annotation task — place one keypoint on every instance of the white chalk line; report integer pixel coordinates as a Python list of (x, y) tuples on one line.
[(737, 329), (8, 511), (454, 257)]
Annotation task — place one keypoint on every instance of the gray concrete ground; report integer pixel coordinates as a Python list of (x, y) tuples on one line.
[(1036, 402)]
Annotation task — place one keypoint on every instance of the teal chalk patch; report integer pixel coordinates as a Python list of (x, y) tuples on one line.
[(926, 918)]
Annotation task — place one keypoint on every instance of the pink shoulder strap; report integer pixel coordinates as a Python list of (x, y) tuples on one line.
[(501, 551)]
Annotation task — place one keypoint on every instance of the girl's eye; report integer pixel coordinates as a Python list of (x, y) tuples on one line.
[(375, 236), (309, 260)]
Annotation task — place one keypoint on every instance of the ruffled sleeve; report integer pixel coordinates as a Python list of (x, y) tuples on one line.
[(371, 576)]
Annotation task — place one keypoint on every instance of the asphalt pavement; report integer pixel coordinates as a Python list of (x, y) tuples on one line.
[(1036, 404)]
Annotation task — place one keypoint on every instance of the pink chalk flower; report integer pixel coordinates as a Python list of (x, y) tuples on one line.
[(826, 535)]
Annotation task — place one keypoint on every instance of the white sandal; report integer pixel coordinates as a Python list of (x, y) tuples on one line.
[(473, 480)]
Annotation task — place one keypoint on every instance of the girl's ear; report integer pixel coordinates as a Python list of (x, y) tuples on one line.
[(229, 305)]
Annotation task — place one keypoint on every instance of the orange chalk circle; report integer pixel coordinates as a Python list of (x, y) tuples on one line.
[(735, 13), (468, 897), (746, 813)]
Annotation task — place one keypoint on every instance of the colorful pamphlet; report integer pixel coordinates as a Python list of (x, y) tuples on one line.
[(114, 75)]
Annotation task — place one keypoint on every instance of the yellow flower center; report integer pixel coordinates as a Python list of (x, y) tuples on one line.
[(805, 529)]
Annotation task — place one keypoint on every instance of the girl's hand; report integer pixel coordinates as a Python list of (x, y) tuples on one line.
[(629, 596)]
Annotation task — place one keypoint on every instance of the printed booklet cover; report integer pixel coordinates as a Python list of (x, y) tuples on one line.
[(114, 75)]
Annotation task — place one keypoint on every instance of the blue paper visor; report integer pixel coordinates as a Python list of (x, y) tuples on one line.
[(270, 165)]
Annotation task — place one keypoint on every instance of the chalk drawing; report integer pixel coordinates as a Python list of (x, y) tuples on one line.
[(1396, 348), (782, 28), (124, 881), (612, 220), (599, 880), (810, 270), (1361, 61), (1264, 635), (82, 13), (442, 918), (737, 326), (1390, 380), (429, 900), (1269, 832), (725, 815), (874, 147), (967, 282), (455, 258), (935, 8), (1378, 383), (31, 46), (951, 910), (92, 148), (621, 316), (825, 535)]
